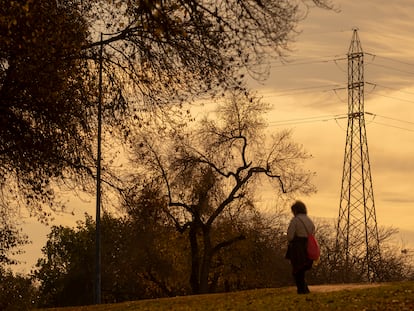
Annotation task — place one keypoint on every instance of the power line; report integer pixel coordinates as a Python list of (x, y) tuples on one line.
[(337, 117), (294, 91), (332, 87), (305, 62), (335, 58), (302, 90), (391, 59), (388, 87), (304, 120), (323, 32), (396, 98), (394, 126), (392, 68), (394, 119), (335, 87)]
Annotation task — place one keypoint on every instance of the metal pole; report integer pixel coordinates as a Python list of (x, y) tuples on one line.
[(98, 188)]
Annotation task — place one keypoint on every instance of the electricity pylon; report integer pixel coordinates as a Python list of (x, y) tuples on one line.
[(357, 233)]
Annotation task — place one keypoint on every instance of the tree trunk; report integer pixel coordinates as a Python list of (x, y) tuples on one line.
[(206, 262), (195, 262), (200, 259)]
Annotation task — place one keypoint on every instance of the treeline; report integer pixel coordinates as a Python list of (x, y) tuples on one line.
[(143, 257)]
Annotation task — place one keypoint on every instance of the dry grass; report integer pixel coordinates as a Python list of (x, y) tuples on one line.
[(384, 296)]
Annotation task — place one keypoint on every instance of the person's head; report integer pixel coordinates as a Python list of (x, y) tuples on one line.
[(299, 208)]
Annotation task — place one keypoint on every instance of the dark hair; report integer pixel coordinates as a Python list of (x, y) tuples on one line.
[(299, 208)]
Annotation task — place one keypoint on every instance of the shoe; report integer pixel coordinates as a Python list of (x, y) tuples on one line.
[(304, 291)]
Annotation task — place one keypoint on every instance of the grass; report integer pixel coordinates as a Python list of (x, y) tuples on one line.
[(388, 296)]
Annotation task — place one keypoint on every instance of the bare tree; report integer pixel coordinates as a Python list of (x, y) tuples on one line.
[(214, 167), (333, 267), (154, 53), (167, 50)]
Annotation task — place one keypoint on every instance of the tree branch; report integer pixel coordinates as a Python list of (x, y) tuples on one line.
[(228, 243)]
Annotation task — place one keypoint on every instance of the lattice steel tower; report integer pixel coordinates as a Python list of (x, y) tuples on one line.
[(357, 234)]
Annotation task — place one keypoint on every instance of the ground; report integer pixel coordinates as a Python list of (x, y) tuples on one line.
[(338, 287)]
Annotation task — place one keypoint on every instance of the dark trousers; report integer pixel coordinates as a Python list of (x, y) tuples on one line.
[(301, 285), (300, 263)]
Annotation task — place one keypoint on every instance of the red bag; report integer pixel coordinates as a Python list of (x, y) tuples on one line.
[(313, 249)]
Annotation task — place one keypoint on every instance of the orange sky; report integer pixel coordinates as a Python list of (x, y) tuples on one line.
[(302, 90), (308, 91)]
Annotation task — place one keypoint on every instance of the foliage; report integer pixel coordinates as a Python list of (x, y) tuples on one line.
[(137, 262), (393, 265), (16, 292), (256, 262), (161, 258), (44, 100), (212, 168), (11, 239), (387, 296), (168, 50), (144, 257), (66, 270)]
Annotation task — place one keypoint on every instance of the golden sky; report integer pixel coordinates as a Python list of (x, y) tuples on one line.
[(307, 90)]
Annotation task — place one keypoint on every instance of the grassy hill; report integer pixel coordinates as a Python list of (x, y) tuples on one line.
[(385, 296)]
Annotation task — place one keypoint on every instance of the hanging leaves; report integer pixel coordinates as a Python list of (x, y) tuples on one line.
[(44, 97)]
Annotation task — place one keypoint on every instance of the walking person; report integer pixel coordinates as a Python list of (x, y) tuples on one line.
[(297, 234)]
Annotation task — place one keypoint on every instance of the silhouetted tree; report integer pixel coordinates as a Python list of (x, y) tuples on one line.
[(258, 261), (208, 169), (17, 292), (66, 270), (392, 266), (141, 258), (11, 239), (45, 101)]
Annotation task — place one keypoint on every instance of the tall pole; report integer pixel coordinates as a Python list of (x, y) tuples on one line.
[(98, 187), (357, 234)]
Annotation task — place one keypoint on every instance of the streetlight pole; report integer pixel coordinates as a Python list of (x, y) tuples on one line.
[(98, 187)]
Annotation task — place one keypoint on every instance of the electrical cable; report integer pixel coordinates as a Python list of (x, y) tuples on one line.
[(396, 98), (392, 68), (325, 118), (393, 119), (394, 126), (391, 59), (391, 88), (308, 62), (308, 120), (302, 90)]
